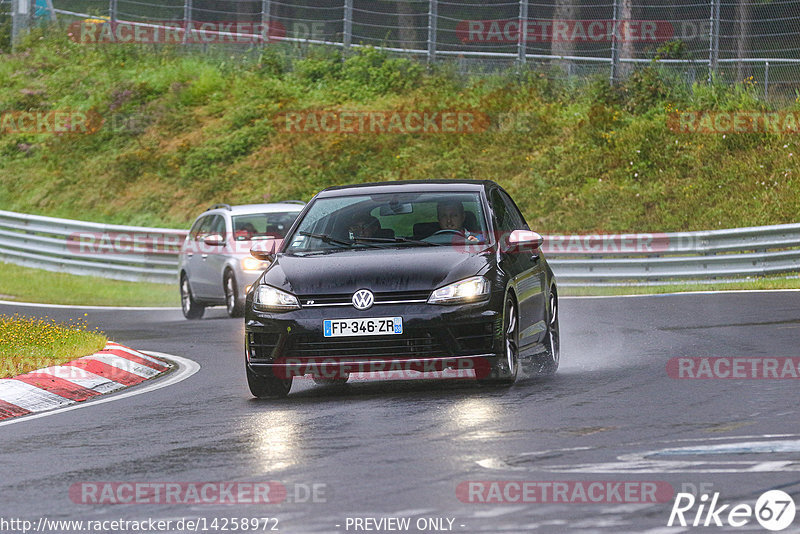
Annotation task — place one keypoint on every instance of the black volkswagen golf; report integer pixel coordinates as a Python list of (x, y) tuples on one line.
[(417, 276)]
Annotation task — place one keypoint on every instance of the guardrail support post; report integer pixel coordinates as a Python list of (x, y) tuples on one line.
[(433, 20), (522, 44), (347, 35)]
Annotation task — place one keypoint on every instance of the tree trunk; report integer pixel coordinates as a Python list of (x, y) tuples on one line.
[(407, 29), (626, 48), (563, 12), (743, 38)]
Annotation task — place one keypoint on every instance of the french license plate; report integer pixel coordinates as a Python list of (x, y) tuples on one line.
[(375, 326)]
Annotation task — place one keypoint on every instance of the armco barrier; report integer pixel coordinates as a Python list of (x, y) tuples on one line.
[(131, 253), (151, 254)]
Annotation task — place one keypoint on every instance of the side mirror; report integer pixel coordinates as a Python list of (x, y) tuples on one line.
[(265, 250), (524, 241), (214, 240)]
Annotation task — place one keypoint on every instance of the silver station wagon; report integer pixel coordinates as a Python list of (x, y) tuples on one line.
[(216, 267)]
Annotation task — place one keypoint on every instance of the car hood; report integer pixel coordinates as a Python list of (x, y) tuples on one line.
[(384, 270)]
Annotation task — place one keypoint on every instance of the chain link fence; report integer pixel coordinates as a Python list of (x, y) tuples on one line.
[(731, 40)]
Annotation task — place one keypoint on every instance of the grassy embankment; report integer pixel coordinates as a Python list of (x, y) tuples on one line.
[(581, 158)]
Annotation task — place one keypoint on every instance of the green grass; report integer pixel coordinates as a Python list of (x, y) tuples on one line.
[(755, 284), (33, 285), (29, 343), (581, 158)]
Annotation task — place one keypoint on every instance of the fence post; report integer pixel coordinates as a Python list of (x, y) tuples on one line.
[(713, 40), (433, 20), (614, 47), (766, 79), (522, 44), (348, 24), (112, 11), (187, 19)]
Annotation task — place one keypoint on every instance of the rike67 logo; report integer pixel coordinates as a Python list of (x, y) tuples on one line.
[(774, 510)]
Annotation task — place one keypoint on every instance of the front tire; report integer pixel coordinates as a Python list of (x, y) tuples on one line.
[(190, 307), (233, 303), (268, 386), (504, 371)]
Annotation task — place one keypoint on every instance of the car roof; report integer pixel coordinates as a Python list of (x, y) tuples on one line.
[(405, 186), (247, 209)]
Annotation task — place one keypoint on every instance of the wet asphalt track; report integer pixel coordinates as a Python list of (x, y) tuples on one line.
[(402, 448)]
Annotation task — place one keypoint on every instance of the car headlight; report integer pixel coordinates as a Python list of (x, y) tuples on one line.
[(468, 290), (252, 264), (268, 298)]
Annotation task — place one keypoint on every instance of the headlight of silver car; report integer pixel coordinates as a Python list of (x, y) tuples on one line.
[(252, 264), (468, 290), (268, 298)]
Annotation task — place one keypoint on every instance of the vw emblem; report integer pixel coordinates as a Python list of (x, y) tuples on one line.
[(363, 299)]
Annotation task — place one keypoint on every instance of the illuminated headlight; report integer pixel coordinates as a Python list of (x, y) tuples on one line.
[(469, 290), (268, 298), (252, 264)]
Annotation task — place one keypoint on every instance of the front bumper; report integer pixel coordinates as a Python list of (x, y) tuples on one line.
[(434, 338)]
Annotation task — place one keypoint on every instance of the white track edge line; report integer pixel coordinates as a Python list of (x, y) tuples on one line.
[(186, 368), (679, 293), (79, 307)]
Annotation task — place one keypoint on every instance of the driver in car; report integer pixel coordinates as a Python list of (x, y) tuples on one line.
[(451, 217)]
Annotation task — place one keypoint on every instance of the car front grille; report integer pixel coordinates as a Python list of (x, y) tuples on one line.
[(342, 299)]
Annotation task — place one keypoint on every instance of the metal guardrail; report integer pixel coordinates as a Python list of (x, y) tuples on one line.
[(151, 254), (691, 256), (132, 253)]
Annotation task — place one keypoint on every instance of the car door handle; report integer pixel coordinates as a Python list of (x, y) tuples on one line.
[(204, 256), (189, 255)]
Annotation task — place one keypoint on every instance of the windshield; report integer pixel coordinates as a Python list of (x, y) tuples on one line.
[(390, 220), (262, 225)]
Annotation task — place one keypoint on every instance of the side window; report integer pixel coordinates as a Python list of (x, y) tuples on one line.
[(218, 226), (201, 228), (515, 218), (501, 214)]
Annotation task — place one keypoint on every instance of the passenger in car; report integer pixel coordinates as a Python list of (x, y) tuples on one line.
[(364, 225)]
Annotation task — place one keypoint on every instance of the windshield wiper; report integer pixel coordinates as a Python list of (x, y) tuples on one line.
[(325, 238), (395, 240)]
